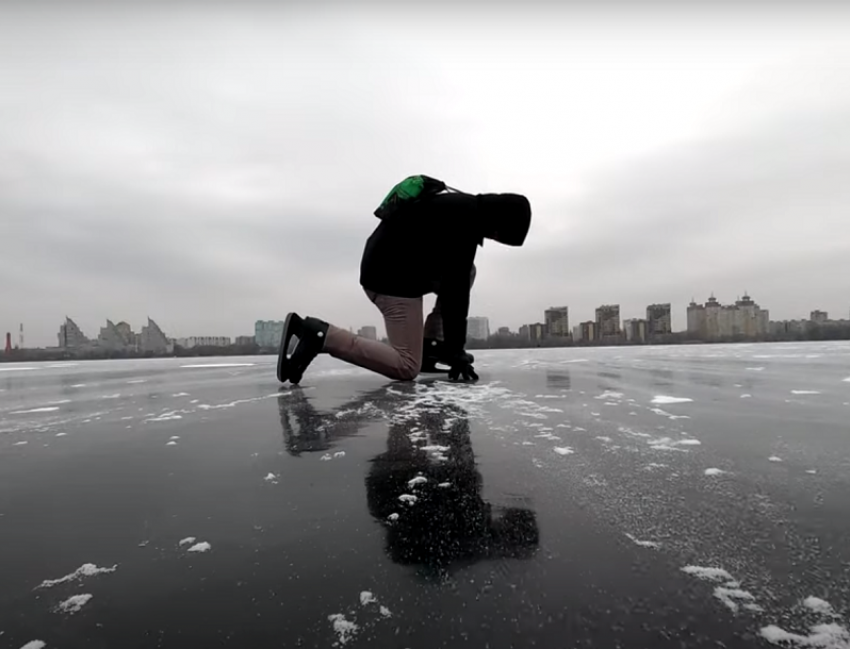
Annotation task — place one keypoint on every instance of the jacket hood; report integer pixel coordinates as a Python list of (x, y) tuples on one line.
[(505, 218)]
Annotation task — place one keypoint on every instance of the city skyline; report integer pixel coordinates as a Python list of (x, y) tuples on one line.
[(701, 156)]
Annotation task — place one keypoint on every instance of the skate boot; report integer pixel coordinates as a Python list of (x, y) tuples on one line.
[(303, 339)]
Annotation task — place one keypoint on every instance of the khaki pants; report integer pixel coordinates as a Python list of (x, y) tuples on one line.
[(401, 359)]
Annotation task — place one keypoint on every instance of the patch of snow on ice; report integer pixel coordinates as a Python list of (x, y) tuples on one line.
[(774, 458), (434, 449), (608, 394), (367, 598), (604, 439), (134, 381), (709, 574), (33, 410), (746, 396), (271, 477), (417, 480), (20, 443), (385, 611), (17, 369), (818, 605), (729, 595), (61, 434), (664, 400), (201, 547), (811, 471), (187, 540), (444, 485), (643, 544), (342, 627), (326, 457), (35, 644), (714, 472), (804, 392), (339, 454), (180, 394), (166, 416), (171, 443), (85, 570), (408, 498), (754, 369), (563, 450), (825, 636), (73, 604), (393, 517)]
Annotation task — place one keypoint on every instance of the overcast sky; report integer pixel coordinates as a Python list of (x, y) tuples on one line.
[(209, 167)]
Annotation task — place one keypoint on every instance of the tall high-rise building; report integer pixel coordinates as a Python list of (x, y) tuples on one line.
[(636, 330), (71, 336), (268, 333), (153, 339), (113, 337), (504, 331), (525, 332), (712, 320), (608, 321), (368, 332), (478, 328), (658, 320), (589, 331), (557, 320)]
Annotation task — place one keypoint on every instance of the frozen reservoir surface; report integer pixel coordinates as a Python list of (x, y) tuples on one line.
[(633, 497)]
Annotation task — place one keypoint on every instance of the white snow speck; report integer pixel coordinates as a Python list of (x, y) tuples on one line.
[(444, 485), (35, 644), (417, 480), (171, 443), (17, 369), (271, 477), (392, 517), (326, 457), (804, 392), (408, 498), (710, 574), (367, 598), (754, 369), (85, 570), (24, 443), (61, 434), (166, 416), (187, 541), (714, 472), (342, 627), (774, 458), (563, 450), (662, 400), (385, 611), (73, 604), (643, 544), (180, 394), (339, 454), (32, 410), (604, 439), (827, 636), (137, 381), (818, 605), (434, 449), (811, 471), (729, 595), (746, 396), (201, 547)]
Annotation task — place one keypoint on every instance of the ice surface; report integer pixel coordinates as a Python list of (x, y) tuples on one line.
[(27, 412), (755, 369), (73, 604), (85, 570), (710, 574), (187, 540), (367, 598), (847, 380), (643, 544), (818, 605), (202, 365), (17, 369), (664, 400), (714, 472), (563, 450), (201, 547), (342, 627), (825, 636), (604, 439)]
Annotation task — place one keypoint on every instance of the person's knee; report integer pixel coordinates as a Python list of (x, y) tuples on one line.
[(409, 369)]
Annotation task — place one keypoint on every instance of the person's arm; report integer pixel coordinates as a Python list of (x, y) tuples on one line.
[(454, 294)]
